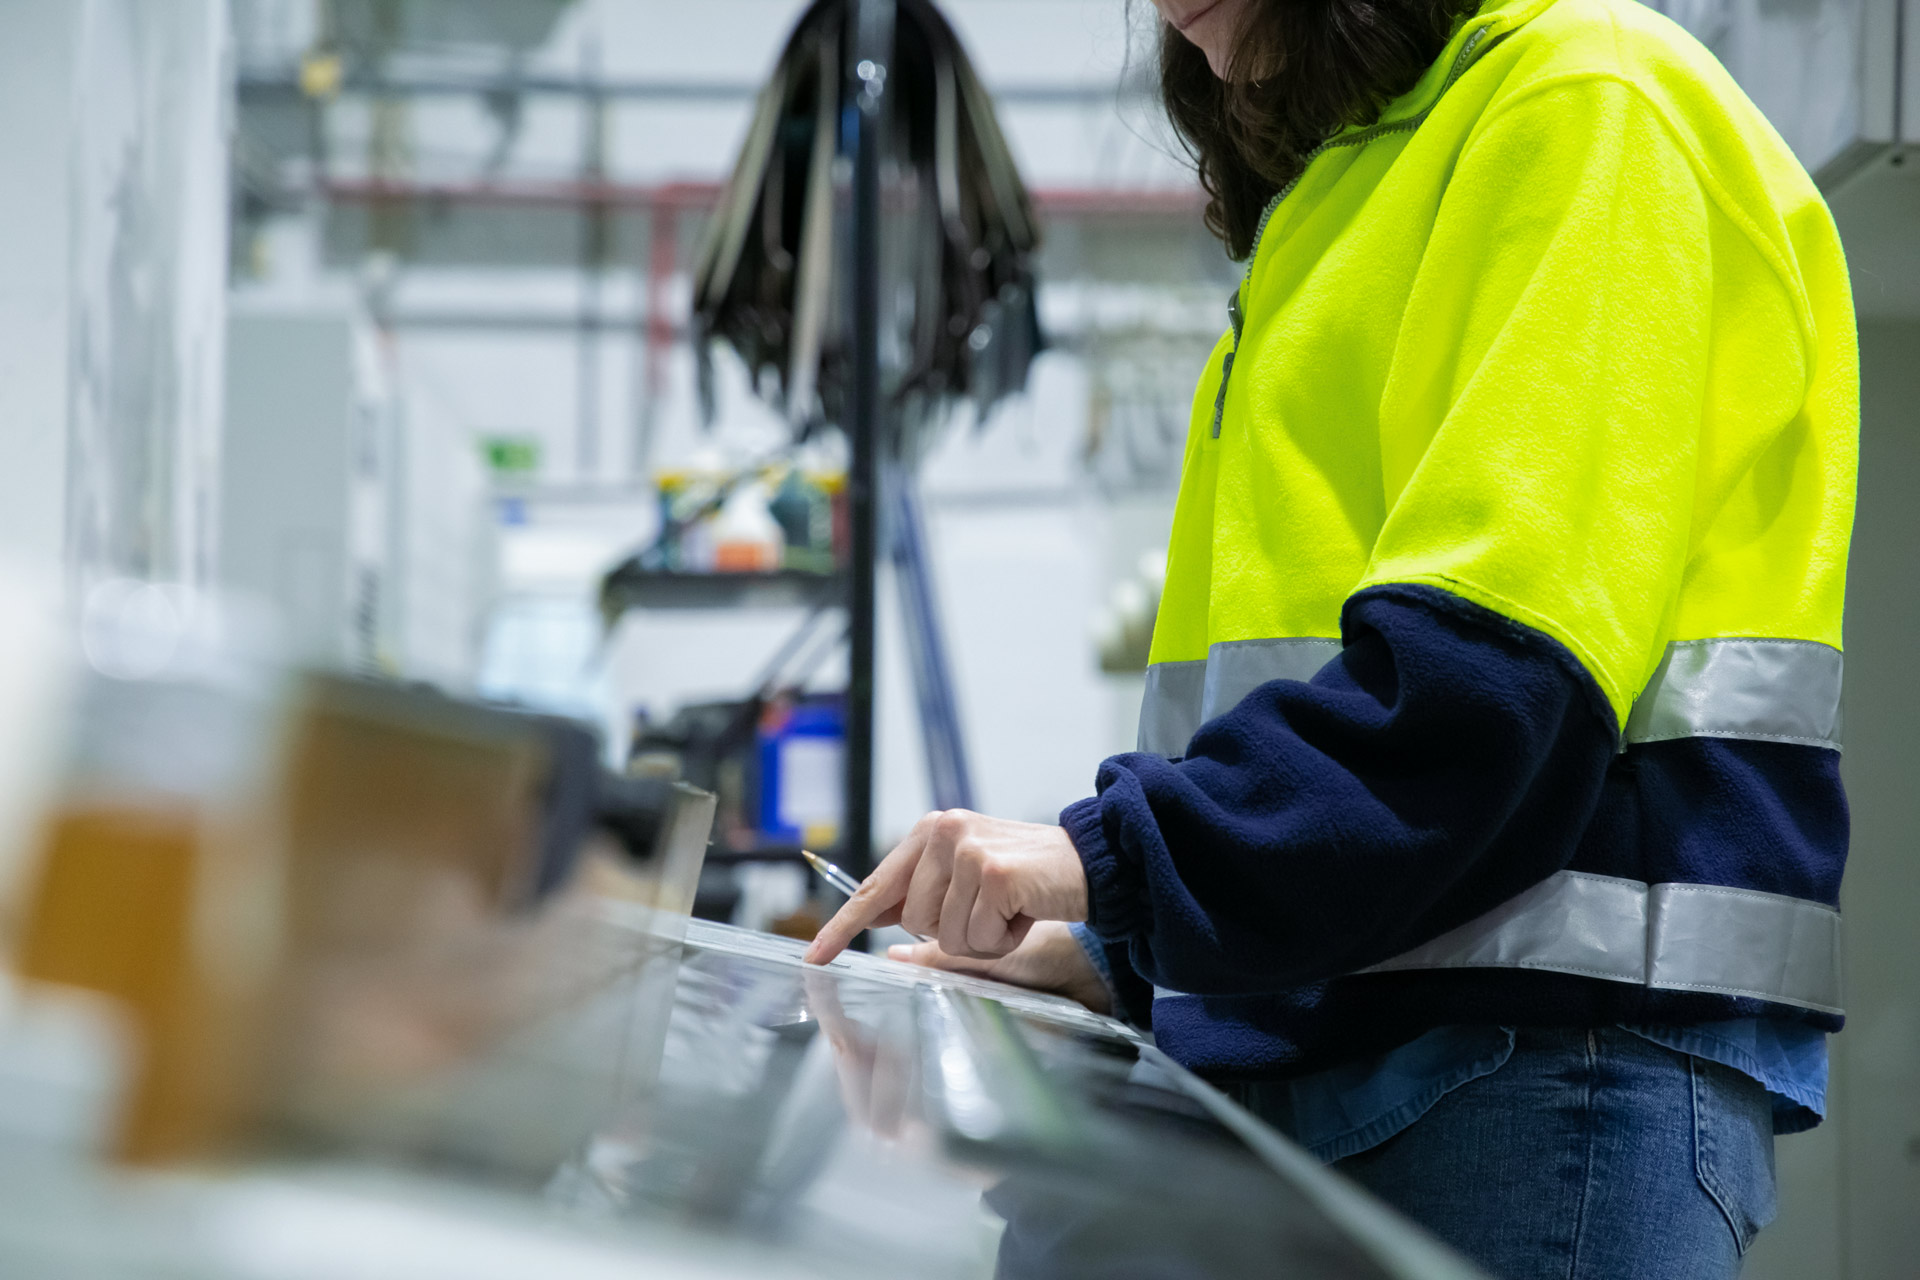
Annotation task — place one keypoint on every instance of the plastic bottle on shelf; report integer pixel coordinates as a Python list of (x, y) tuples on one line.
[(746, 537), (805, 513)]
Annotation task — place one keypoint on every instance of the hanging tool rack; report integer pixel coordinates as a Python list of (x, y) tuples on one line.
[(871, 263)]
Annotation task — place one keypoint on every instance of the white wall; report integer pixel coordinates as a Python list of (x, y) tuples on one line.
[(1849, 1190), (1879, 1053)]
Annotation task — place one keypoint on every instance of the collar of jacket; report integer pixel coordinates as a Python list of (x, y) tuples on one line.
[(1498, 17)]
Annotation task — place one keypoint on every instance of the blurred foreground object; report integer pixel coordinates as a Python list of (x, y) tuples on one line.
[(34, 677), (296, 891), (440, 856), (157, 883)]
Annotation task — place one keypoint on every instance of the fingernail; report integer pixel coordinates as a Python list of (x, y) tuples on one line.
[(897, 952)]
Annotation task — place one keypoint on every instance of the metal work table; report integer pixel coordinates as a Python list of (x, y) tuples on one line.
[(709, 1106)]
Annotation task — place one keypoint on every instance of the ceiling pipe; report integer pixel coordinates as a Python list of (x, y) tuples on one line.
[(272, 86), (702, 196)]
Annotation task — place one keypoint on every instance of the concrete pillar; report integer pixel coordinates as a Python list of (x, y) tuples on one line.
[(147, 294)]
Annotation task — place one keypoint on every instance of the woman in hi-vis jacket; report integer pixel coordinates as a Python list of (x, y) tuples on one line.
[(1486, 830)]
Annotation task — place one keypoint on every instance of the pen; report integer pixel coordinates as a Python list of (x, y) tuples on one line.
[(840, 880), (831, 874)]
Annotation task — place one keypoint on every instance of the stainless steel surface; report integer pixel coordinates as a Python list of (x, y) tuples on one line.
[(879, 1117), (713, 1107)]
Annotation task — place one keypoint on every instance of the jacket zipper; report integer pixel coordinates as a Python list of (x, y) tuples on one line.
[(1462, 60)]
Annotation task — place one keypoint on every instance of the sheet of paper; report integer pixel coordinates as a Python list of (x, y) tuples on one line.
[(706, 935)]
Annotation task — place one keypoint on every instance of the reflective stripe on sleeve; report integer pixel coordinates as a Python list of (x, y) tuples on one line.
[(1758, 689), (1766, 690), (1673, 937), (1182, 696), (1170, 708), (1679, 937)]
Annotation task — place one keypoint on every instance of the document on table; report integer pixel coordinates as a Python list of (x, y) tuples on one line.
[(707, 935)]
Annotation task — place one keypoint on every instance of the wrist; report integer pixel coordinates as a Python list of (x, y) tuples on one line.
[(1067, 898)]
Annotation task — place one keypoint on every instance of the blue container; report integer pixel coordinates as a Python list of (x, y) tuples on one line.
[(803, 752)]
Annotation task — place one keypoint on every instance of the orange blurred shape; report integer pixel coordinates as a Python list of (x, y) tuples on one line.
[(120, 908)]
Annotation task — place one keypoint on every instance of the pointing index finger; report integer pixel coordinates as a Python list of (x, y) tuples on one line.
[(884, 889)]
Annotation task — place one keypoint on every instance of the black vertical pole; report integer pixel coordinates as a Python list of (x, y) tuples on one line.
[(871, 30)]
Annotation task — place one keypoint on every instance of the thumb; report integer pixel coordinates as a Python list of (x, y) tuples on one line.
[(930, 955)]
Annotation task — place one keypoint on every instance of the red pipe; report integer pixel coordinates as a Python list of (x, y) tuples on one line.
[(701, 196), (663, 252)]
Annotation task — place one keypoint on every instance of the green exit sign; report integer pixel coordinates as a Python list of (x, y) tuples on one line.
[(511, 455)]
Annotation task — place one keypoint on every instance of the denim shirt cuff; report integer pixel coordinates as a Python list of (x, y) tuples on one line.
[(1097, 957)]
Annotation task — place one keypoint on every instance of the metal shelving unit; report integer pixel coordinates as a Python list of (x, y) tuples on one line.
[(631, 586)]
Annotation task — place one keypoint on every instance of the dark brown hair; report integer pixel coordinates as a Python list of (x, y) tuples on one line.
[(1301, 71)]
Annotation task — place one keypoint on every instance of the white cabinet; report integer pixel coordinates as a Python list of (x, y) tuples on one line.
[(307, 482)]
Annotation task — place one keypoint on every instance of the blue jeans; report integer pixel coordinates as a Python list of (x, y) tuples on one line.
[(1588, 1155)]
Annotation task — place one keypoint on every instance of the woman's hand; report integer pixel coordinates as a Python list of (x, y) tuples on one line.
[(974, 884), (1050, 960)]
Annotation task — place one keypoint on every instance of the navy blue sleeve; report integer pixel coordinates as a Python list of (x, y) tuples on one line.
[(1446, 760)]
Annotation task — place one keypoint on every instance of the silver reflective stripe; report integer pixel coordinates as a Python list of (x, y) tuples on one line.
[(1170, 709), (1674, 937), (1769, 690), (1182, 696), (1235, 668)]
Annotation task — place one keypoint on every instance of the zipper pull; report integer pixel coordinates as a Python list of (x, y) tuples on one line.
[(1226, 365)]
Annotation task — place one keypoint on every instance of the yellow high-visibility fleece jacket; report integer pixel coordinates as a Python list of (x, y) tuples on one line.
[(1497, 673)]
